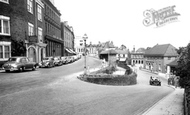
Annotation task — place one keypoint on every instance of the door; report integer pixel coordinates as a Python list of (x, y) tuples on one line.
[(32, 54)]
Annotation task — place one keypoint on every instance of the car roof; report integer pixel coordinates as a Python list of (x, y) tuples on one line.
[(18, 57)]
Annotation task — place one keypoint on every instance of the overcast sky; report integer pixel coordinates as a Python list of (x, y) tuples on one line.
[(121, 21)]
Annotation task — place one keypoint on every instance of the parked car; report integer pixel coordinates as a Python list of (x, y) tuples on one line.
[(57, 61), (47, 62), (69, 59), (64, 59), (155, 81), (19, 63)]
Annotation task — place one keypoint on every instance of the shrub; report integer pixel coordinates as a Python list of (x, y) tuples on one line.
[(106, 79)]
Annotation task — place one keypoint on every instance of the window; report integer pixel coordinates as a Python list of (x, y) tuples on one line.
[(4, 25), (5, 1), (39, 13), (40, 34), (7, 51), (30, 29), (1, 51), (30, 6), (169, 58)]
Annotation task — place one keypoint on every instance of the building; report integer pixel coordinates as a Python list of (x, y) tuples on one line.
[(92, 49), (22, 29), (122, 55), (67, 34), (52, 35), (5, 35), (137, 57), (79, 45), (35, 47), (157, 57)]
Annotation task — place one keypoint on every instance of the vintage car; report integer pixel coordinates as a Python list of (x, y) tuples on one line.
[(155, 81), (19, 63), (47, 62), (64, 59), (57, 61)]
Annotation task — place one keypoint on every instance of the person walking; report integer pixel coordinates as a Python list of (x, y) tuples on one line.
[(176, 81)]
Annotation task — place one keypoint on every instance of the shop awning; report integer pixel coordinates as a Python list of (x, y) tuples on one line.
[(72, 51), (68, 51)]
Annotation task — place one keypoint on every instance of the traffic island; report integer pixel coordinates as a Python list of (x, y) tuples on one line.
[(105, 76)]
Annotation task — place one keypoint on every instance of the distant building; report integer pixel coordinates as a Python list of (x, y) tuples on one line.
[(68, 36), (92, 49), (137, 57), (122, 55), (79, 45), (157, 57)]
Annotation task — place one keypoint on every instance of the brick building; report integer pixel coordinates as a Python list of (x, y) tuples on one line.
[(5, 35), (67, 34), (22, 29), (52, 37), (157, 57)]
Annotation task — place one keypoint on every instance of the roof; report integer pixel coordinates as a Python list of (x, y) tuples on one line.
[(108, 52), (122, 51), (141, 50), (162, 50), (173, 63)]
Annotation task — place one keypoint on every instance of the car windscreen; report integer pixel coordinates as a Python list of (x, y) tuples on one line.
[(12, 59), (45, 58)]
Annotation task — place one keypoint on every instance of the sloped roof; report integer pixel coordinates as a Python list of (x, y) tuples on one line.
[(122, 51), (141, 50), (173, 63), (108, 52), (162, 50), (109, 45)]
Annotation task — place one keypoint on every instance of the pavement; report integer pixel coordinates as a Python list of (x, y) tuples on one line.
[(172, 104)]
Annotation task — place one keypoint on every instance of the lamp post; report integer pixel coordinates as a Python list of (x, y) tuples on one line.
[(85, 38)]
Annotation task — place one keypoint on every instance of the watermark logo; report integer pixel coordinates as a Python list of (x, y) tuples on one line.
[(160, 17)]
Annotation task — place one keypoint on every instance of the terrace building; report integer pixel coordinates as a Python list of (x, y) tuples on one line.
[(21, 29), (52, 37), (5, 35), (68, 36)]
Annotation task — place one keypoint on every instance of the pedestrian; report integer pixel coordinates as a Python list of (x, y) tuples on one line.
[(176, 80)]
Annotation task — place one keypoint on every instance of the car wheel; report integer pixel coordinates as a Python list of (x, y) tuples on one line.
[(34, 68), (23, 68)]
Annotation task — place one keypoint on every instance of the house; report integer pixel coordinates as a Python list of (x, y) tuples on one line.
[(157, 57), (137, 57), (122, 55)]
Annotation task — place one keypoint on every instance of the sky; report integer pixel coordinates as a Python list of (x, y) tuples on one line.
[(121, 21)]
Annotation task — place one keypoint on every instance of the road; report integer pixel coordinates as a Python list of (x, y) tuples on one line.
[(57, 91)]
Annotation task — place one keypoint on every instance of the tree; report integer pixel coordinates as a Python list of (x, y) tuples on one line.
[(183, 67)]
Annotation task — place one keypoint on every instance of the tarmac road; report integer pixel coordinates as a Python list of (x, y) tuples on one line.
[(63, 94)]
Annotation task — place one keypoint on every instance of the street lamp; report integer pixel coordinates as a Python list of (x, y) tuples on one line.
[(85, 37)]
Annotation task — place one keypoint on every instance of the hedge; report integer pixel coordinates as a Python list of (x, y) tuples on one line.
[(109, 79)]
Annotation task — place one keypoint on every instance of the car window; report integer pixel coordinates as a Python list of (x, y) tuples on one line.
[(23, 60), (12, 59)]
